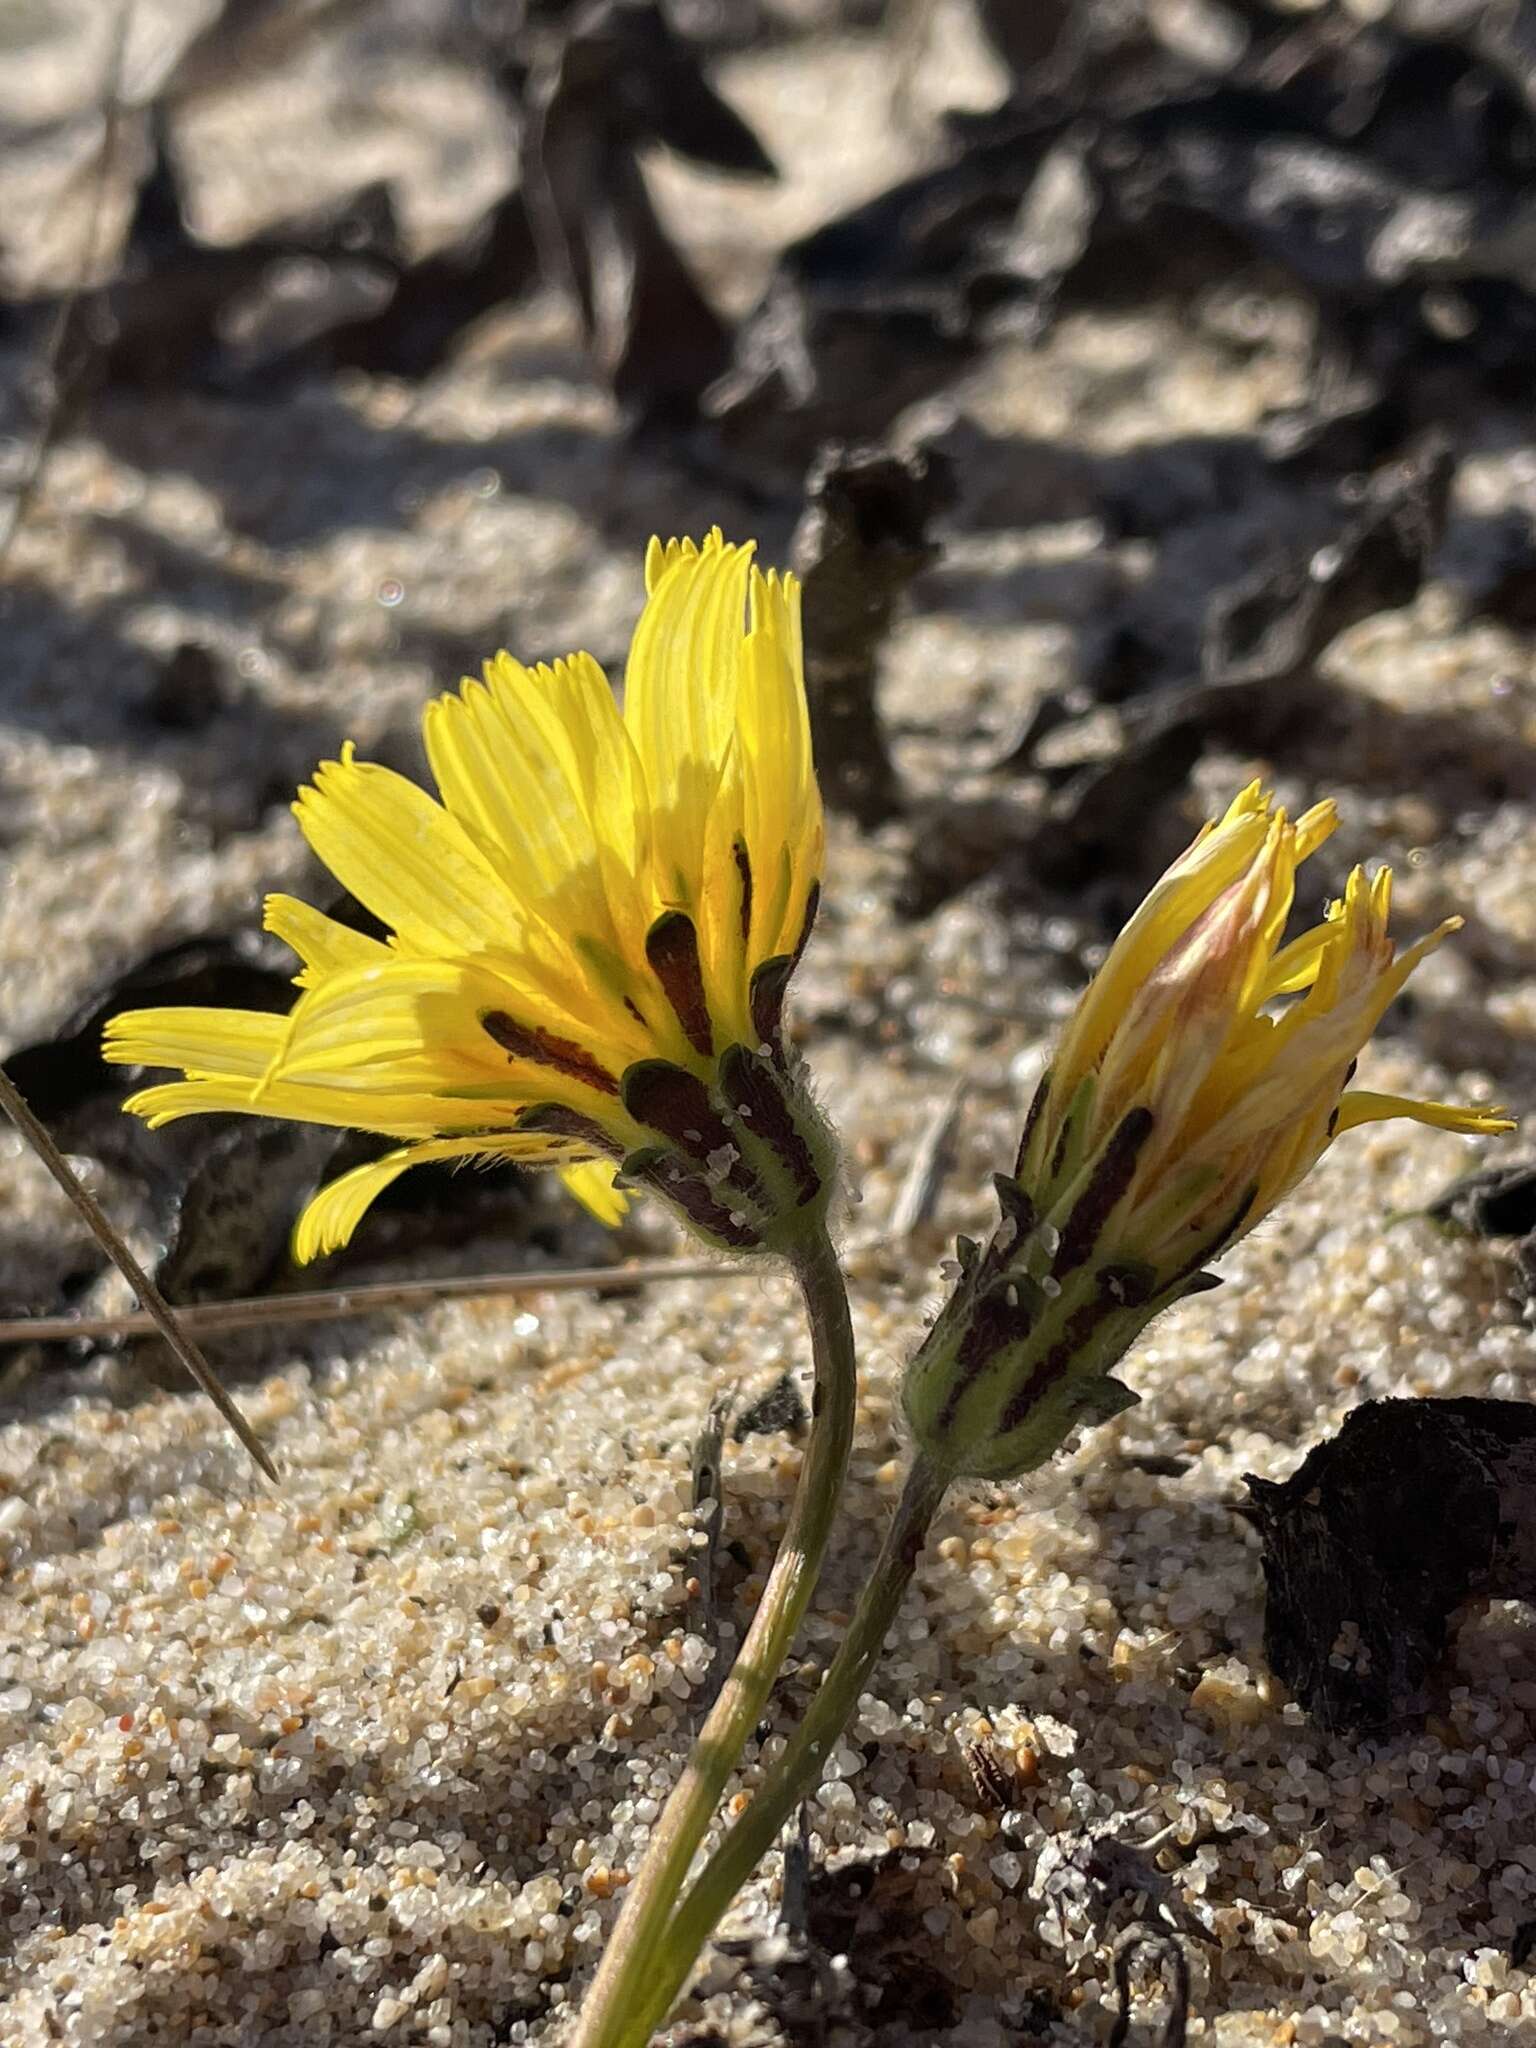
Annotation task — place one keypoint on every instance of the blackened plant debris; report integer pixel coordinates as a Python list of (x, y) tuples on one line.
[(225, 1202), (804, 1985), (1169, 1951), (871, 1912), (613, 79), (1244, 675), (709, 1495), (1274, 627), (862, 538), (1493, 1201), (1381, 1534), (1497, 1203), (180, 310), (872, 311), (587, 86), (437, 297), (1092, 1876), (781, 1408), (1379, 169), (234, 1215), (228, 1226), (1263, 637), (78, 1098)]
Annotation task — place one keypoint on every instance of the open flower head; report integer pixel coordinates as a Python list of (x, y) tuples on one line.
[(590, 932), (1205, 1071)]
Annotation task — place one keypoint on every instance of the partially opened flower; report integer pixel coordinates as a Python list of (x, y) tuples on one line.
[(1205, 1071), (591, 933)]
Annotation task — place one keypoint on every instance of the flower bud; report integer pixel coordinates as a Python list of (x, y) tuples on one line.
[(1204, 1072)]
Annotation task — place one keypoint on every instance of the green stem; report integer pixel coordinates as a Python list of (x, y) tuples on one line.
[(625, 1974), (798, 1771)]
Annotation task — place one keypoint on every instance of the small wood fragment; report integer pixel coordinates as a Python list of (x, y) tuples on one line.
[(862, 538)]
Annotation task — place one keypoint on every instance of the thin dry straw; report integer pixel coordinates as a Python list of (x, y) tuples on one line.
[(320, 1306), (158, 1313)]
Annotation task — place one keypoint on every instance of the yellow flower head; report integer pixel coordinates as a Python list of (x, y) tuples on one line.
[(591, 933), (1203, 1074)]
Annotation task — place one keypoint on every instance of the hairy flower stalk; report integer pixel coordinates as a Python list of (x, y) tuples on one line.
[(1205, 1071), (590, 941)]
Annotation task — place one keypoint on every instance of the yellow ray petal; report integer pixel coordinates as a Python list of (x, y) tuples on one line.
[(1296, 966), (405, 858), (1363, 1106), (237, 1043), (781, 803), (406, 1014), (393, 1113), (723, 910), (514, 759), (592, 1184), (320, 942), (168, 1100), (1175, 903), (1314, 826), (331, 1215), (680, 693), (421, 1024)]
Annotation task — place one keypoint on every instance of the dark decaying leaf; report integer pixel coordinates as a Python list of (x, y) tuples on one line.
[(1262, 640), (1382, 170), (78, 1097), (616, 78), (586, 85), (188, 690), (1276, 624), (437, 297), (183, 311), (1381, 167), (872, 311), (1493, 1201), (227, 1190), (1414, 1508)]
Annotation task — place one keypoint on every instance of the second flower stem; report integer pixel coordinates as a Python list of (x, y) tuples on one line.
[(795, 1774), (625, 1977)]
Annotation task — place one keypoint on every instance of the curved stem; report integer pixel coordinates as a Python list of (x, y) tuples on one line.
[(625, 1975), (797, 1772)]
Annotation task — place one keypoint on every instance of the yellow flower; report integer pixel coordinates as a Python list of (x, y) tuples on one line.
[(591, 933), (1203, 1074)]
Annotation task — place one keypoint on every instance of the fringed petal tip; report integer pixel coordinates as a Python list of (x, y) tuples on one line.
[(334, 1211), (1365, 1106), (169, 1100), (660, 555)]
